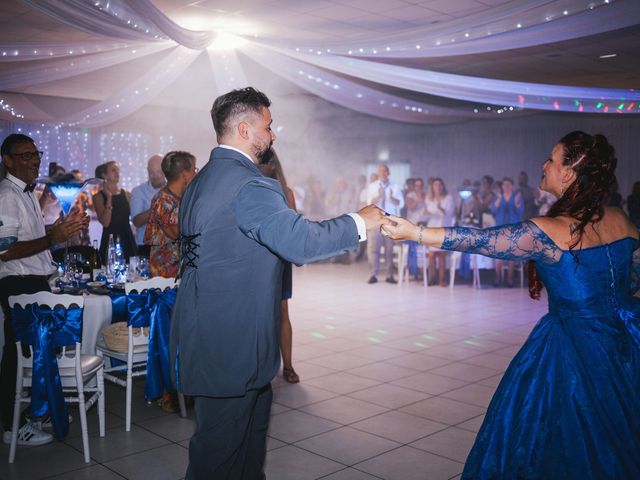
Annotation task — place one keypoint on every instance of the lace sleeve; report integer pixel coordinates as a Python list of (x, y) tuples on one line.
[(518, 241)]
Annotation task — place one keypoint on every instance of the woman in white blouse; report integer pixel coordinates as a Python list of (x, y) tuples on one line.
[(440, 208)]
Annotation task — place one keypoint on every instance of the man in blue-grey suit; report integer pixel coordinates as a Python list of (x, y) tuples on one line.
[(236, 230)]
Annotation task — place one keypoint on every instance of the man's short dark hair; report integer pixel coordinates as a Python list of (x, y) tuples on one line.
[(234, 103), (176, 162), (14, 139)]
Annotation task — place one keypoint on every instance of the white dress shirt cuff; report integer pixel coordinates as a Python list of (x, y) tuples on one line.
[(360, 225)]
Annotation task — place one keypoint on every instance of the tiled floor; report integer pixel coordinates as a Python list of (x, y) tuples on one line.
[(395, 383)]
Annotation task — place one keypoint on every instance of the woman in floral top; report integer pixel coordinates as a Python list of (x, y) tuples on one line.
[(162, 228)]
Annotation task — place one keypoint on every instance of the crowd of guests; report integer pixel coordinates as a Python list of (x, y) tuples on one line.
[(481, 203)]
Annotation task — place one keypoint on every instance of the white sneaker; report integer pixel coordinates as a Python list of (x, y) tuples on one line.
[(45, 422), (29, 435)]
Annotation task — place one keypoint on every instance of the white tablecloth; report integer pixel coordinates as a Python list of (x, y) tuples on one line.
[(97, 314)]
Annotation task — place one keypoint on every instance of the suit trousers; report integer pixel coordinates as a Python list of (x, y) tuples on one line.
[(375, 241), (230, 438), (13, 285)]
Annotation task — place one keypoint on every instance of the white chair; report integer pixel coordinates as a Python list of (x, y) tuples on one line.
[(454, 260), (403, 265), (135, 358), (76, 371)]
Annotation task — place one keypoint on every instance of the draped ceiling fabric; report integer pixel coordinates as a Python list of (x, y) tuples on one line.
[(368, 76)]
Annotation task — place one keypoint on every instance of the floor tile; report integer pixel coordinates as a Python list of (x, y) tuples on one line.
[(164, 463), (118, 443), (444, 410), (300, 394), (388, 395), (475, 394), (350, 474), (429, 383), (171, 427), (39, 462), (453, 443), (347, 445), (342, 382), (93, 472), (398, 426), (383, 372), (344, 410), (295, 425), (408, 463), (293, 463)]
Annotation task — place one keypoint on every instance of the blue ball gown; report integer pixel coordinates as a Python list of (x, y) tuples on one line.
[(568, 406)]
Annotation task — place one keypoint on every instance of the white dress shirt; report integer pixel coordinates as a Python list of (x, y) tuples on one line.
[(21, 210), (391, 190), (141, 197)]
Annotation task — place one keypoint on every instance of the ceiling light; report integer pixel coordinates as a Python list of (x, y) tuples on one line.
[(609, 55), (226, 41)]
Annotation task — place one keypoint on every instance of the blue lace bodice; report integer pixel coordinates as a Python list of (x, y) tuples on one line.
[(596, 280)]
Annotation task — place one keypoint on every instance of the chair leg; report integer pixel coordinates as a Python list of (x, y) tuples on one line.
[(83, 417), (183, 406), (128, 400), (100, 381), (16, 414)]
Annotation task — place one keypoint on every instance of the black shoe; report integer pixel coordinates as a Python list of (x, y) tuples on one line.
[(391, 280), (373, 279)]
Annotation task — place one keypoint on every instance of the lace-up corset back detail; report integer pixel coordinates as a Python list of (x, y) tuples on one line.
[(594, 283)]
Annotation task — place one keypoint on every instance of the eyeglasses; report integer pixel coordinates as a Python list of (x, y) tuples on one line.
[(26, 156)]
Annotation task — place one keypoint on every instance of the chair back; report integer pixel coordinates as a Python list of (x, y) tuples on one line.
[(59, 317), (46, 321), (160, 283)]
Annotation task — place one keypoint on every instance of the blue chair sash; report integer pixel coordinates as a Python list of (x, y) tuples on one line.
[(152, 308), (45, 329)]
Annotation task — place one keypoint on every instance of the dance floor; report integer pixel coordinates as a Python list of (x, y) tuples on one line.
[(395, 384)]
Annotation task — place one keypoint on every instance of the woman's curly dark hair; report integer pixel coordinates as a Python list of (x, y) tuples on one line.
[(594, 162)]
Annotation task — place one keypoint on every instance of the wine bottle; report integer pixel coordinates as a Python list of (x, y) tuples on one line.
[(94, 263)]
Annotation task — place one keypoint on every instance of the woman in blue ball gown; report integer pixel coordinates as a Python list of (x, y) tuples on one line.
[(568, 406)]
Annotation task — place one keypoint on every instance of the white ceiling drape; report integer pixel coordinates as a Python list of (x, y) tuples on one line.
[(349, 74)]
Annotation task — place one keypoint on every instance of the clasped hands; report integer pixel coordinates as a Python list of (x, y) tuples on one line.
[(396, 228)]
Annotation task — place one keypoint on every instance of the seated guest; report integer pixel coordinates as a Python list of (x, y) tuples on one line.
[(112, 205), (162, 229)]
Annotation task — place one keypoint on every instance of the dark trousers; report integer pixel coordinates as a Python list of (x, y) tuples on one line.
[(231, 435), (13, 285)]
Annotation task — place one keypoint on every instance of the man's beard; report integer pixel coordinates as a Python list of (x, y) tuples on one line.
[(260, 150)]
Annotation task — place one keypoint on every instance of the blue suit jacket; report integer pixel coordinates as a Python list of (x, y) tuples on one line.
[(225, 329)]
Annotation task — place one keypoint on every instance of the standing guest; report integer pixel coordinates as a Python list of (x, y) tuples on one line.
[(271, 167), (113, 211), (528, 196), (142, 195), (567, 405), (340, 199), (415, 201), (81, 205), (387, 196), (162, 229), (236, 232), (507, 208), (362, 191), (633, 204), (49, 203), (25, 265), (615, 198), (544, 200), (314, 199), (441, 210)]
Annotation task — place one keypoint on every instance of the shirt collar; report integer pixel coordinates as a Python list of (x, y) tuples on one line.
[(16, 181), (236, 150)]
